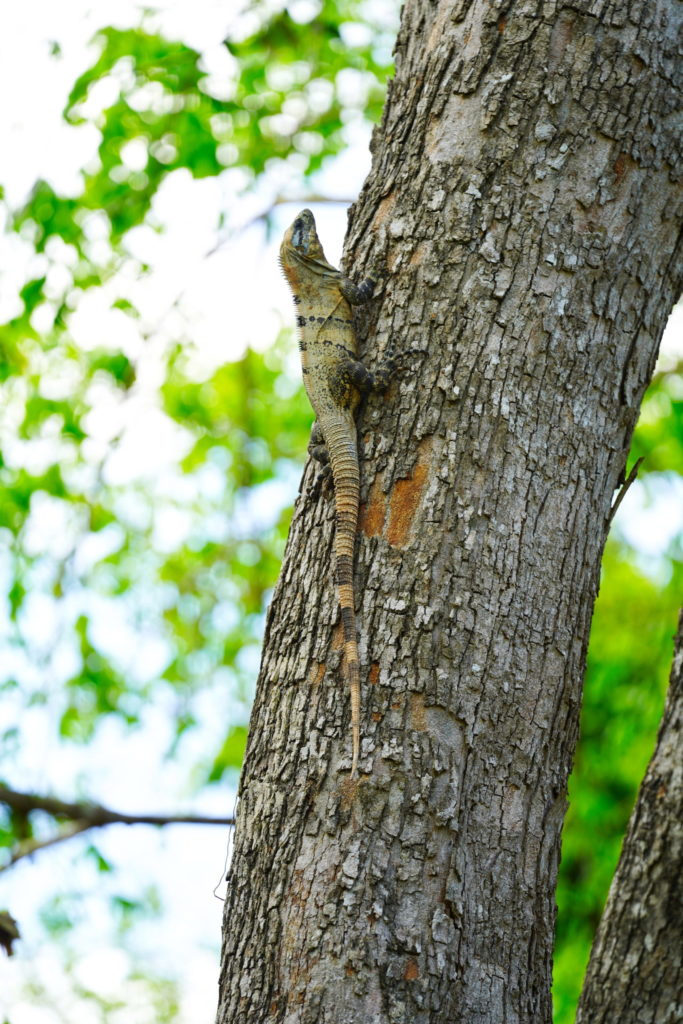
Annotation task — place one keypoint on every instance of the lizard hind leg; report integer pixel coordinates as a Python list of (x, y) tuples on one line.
[(351, 373), (394, 363), (316, 444), (317, 449)]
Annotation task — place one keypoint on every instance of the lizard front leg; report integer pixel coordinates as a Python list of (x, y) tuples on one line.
[(357, 294)]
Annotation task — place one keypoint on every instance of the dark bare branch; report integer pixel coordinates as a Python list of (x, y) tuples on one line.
[(624, 488), (84, 816), (95, 814)]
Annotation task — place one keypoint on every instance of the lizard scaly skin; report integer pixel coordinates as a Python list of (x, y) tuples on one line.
[(334, 381)]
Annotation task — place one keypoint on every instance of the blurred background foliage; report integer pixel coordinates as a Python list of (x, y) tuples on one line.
[(84, 543)]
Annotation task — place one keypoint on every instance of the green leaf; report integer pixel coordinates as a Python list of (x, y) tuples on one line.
[(231, 753), (103, 865), (116, 364), (32, 293)]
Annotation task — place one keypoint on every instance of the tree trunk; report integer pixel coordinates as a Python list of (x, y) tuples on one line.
[(635, 974), (521, 214)]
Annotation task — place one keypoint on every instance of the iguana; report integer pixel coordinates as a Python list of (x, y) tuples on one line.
[(334, 381)]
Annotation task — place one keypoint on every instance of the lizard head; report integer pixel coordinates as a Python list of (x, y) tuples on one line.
[(302, 237), (301, 245)]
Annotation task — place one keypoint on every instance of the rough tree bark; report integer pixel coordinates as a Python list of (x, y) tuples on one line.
[(635, 974), (523, 214)]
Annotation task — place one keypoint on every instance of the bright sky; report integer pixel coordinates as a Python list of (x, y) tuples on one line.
[(233, 298)]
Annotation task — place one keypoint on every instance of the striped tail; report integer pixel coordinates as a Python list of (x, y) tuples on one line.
[(346, 476)]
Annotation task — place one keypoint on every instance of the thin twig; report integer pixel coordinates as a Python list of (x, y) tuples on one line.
[(624, 488), (30, 846), (309, 199)]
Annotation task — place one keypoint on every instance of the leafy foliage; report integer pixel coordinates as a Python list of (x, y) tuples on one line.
[(160, 121), (122, 591), (659, 437), (158, 111), (287, 106), (628, 668)]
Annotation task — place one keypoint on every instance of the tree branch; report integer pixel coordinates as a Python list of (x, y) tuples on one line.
[(85, 816), (30, 846), (624, 488), (95, 814), (306, 200), (635, 973)]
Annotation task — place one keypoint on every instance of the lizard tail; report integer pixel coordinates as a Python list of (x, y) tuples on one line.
[(345, 583), (346, 493)]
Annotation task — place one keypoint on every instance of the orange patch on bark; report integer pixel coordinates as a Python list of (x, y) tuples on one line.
[(374, 512), (317, 672), (405, 498), (373, 674), (418, 714), (412, 970), (384, 210), (299, 888), (502, 22), (337, 637), (418, 254), (393, 256), (562, 35), (348, 788), (622, 164)]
